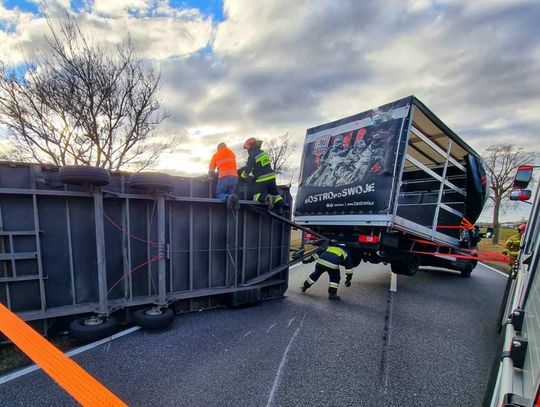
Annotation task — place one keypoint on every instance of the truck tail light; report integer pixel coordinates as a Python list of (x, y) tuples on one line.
[(368, 239)]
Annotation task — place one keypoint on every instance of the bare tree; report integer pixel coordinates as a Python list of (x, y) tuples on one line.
[(501, 161), (83, 104), (280, 150)]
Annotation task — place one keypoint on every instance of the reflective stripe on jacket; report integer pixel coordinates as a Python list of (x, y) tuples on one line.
[(259, 163), (225, 161), (333, 257), (512, 245)]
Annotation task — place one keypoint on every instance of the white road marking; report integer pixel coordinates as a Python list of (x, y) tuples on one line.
[(271, 326), (295, 265), (290, 322), (393, 282), (494, 269), (33, 368), (389, 338), (246, 334), (279, 373)]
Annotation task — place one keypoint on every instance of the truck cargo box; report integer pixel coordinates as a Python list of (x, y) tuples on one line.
[(398, 167)]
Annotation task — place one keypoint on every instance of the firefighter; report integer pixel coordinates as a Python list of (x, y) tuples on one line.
[(328, 260), (512, 244), (225, 161), (259, 164)]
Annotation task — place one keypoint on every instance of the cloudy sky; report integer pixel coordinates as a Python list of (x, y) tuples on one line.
[(241, 68)]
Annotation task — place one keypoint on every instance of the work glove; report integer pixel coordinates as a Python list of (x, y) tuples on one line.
[(211, 175), (308, 260), (240, 171), (298, 254)]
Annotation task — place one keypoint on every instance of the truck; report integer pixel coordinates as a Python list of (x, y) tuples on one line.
[(515, 375), (396, 185)]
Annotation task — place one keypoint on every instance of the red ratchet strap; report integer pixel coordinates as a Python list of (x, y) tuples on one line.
[(465, 224), (482, 255)]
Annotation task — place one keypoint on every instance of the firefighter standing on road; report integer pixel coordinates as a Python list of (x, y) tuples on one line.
[(512, 244), (328, 260), (225, 161), (265, 179)]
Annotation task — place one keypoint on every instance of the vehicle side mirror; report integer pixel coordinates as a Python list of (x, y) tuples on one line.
[(523, 177), (520, 195)]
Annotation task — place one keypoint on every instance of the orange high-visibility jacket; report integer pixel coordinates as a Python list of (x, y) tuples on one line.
[(225, 161)]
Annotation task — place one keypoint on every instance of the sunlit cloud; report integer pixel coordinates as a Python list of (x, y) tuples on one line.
[(263, 69)]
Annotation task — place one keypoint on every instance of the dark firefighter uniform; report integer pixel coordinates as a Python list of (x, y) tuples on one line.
[(329, 261), (259, 164)]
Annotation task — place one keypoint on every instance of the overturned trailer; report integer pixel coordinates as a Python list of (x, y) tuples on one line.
[(78, 240), (396, 185)]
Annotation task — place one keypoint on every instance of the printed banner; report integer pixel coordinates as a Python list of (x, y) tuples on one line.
[(348, 168)]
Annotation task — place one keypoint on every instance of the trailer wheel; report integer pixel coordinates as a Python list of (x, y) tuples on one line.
[(90, 329), (407, 266), (84, 175), (153, 318), (151, 181)]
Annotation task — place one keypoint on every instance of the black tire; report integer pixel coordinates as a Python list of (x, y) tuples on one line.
[(466, 272), (151, 181), (153, 321), (84, 175), (466, 266), (407, 266), (88, 333)]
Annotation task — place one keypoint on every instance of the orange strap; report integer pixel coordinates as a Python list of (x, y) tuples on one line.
[(69, 375)]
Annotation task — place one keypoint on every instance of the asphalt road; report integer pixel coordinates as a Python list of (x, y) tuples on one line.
[(430, 343)]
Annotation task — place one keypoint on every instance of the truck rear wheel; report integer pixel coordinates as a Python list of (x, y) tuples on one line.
[(407, 266), (466, 272)]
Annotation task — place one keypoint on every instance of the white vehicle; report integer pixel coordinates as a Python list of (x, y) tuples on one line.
[(515, 377)]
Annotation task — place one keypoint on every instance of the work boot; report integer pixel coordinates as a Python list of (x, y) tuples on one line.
[(333, 296), (305, 287), (270, 200), (230, 202), (235, 202)]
